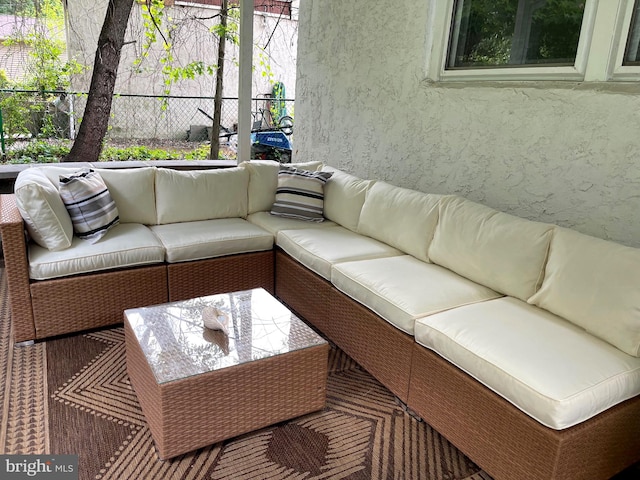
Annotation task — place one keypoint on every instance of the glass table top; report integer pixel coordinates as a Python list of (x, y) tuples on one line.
[(177, 345)]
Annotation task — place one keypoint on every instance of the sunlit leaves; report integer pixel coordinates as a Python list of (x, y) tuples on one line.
[(160, 27), (45, 68)]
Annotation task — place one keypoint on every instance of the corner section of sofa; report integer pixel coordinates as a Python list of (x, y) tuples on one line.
[(58, 288)]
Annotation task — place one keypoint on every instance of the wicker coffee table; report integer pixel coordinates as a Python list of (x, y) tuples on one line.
[(198, 386)]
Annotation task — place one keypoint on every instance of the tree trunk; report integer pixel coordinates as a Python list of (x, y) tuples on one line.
[(217, 101), (88, 143)]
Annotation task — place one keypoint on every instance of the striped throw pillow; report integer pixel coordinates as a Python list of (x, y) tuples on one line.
[(91, 208), (300, 194)]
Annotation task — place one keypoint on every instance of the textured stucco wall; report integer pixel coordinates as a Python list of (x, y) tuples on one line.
[(567, 154)]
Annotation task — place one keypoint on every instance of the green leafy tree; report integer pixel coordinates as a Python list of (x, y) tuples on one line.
[(45, 69), (17, 7), (160, 27), (95, 122)]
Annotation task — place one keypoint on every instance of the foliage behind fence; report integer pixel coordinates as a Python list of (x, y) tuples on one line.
[(30, 115)]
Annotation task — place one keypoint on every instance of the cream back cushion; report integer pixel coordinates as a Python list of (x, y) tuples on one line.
[(263, 181), (344, 195), (43, 211), (187, 196), (133, 190), (402, 218), (500, 251), (594, 284)]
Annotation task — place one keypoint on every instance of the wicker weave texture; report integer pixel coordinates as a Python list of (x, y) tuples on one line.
[(204, 409), (17, 268), (303, 291), (509, 444), (384, 351), (54, 307), (74, 304), (218, 275)]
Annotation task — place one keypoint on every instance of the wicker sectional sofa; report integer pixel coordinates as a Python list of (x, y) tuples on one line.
[(518, 341)]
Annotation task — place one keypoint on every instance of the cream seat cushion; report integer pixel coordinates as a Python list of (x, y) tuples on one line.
[(503, 252), (274, 224), (211, 238), (319, 248), (596, 285), (125, 245), (549, 368), (400, 217), (401, 289)]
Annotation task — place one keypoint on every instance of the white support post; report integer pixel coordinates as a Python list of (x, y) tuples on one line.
[(246, 72)]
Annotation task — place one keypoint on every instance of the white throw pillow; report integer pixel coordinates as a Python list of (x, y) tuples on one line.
[(91, 208), (188, 196), (41, 207), (594, 284), (402, 218)]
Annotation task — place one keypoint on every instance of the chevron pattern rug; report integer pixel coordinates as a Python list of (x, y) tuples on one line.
[(72, 395), (361, 434)]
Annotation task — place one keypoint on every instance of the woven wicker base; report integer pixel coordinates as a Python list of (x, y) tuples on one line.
[(218, 275), (14, 246), (508, 444), (383, 350), (74, 304), (303, 291)]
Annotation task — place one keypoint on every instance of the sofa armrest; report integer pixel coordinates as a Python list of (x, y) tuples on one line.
[(14, 246)]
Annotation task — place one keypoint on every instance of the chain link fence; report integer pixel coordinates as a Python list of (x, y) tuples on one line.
[(26, 116)]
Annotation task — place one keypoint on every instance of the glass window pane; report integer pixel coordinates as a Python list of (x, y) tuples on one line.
[(503, 33), (632, 52)]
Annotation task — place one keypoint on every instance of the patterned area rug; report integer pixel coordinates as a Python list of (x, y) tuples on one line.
[(363, 433), (72, 395), (23, 390)]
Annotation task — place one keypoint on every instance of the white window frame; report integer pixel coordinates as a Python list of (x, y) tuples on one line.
[(616, 70), (599, 17)]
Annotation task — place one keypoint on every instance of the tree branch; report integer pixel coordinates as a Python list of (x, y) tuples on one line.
[(155, 24)]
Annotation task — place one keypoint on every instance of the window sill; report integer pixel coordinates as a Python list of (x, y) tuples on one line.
[(613, 87), (563, 74)]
